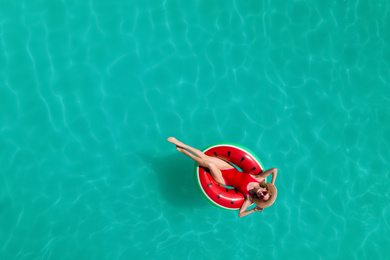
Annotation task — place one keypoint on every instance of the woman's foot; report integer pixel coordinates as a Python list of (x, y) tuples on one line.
[(188, 148), (173, 140), (177, 143)]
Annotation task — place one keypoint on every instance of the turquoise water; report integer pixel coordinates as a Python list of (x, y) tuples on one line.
[(90, 90)]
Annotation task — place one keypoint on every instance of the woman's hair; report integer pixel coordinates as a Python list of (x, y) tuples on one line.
[(272, 191)]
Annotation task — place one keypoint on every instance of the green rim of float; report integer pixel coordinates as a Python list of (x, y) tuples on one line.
[(240, 147)]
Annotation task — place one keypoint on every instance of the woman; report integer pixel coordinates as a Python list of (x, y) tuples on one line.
[(253, 187)]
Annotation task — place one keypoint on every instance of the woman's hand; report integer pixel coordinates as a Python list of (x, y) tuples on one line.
[(257, 208), (243, 210)]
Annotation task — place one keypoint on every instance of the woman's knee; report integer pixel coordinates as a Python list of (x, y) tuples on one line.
[(206, 164), (209, 164)]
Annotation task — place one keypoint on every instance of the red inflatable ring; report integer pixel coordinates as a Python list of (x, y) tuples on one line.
[(219, 195)]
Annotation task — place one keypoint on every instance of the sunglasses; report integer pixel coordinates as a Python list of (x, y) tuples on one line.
[(262, 195)]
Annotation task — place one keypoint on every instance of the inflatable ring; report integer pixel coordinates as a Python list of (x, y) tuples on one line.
[(222, 196)]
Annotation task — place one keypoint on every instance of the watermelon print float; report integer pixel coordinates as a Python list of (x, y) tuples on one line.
[(219, 195)]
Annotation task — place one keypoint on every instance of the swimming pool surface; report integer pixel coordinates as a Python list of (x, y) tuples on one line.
[(91, 90)]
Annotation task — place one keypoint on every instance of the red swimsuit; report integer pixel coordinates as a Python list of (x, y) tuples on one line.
[(238, 180)]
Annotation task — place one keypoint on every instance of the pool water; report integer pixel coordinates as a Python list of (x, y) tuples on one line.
[(91, 90)]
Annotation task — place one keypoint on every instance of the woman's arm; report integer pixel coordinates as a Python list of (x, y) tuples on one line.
[(243, 210), (272, 171)]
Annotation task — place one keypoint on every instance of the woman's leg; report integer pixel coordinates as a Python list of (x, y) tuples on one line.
[(197, 152), (220, 164), (214, 171), (202, 162)]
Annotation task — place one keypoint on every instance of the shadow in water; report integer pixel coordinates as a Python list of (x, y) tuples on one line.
[(176, 179)]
